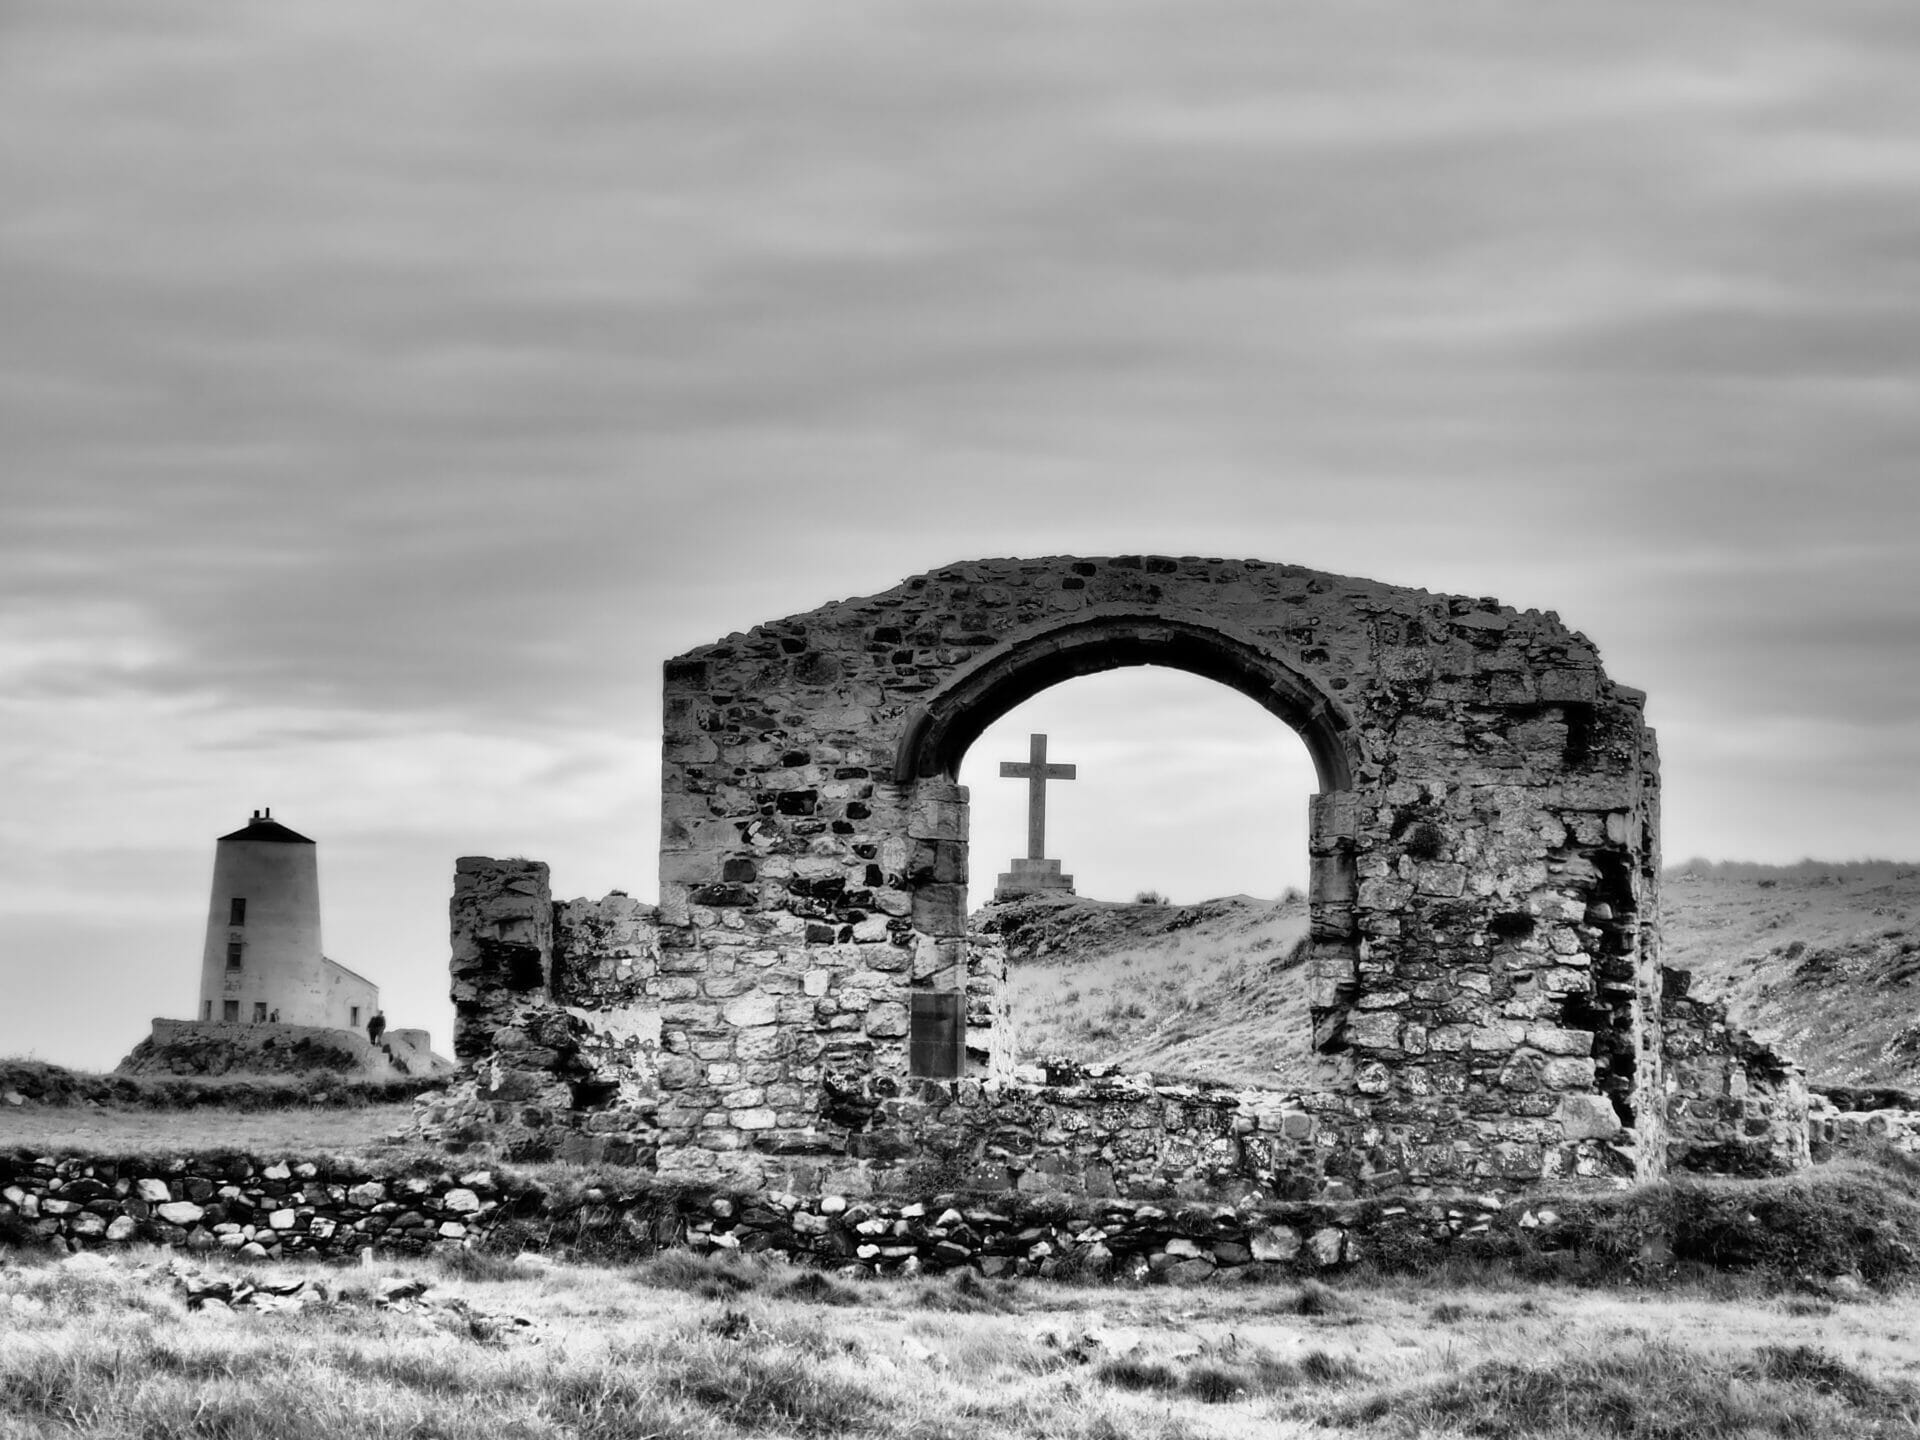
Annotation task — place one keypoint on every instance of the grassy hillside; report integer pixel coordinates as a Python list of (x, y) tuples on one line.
[(1821, 960), (1214, 991)]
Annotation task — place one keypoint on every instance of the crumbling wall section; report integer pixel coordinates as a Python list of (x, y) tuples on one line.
[(1734, 1106), (1850, 1119), (606, 965), (551, 1018), (502, 938)]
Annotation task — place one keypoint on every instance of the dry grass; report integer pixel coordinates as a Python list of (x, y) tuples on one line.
[(685, 1347), (112, 1130), (1213, 991), (1821, 960)]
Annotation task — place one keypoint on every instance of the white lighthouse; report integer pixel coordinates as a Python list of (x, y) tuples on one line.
[(262, 963)]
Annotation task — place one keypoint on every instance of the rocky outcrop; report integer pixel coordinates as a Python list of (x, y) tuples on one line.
[(214, 1048)]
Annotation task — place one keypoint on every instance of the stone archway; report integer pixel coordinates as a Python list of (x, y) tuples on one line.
[(940, 728), (1485, 852)]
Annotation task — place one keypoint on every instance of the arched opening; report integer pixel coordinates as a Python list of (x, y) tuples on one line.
[(960, 1011), (946, 724), (1181, 946)]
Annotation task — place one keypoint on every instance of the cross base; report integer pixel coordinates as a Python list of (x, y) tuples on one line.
[(1033, 877)]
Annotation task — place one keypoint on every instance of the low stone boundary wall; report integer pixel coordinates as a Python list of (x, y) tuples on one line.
[(1849, 1118), (282, 1208), (292, 1208)]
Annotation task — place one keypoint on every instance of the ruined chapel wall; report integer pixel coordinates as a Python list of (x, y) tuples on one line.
[(1480, 873), (556, 1018), (1733, 1105)]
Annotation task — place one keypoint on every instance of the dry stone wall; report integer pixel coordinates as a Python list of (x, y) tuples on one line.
[(287, 1208)]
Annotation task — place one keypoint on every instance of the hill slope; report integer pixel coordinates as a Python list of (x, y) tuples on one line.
[(1214, 991), (1822, 961)]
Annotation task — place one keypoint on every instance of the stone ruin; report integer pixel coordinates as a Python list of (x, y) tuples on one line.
[(806, 1010)]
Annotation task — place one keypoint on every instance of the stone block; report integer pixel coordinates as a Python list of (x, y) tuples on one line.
[(940, 910), (1588, 1117), (750, 1010), (1567, 1074), (1384, 894), (1333, 817), (1495, 1039), (1554, 1041), (1444, 881), (938, 812), (1379, 1031)]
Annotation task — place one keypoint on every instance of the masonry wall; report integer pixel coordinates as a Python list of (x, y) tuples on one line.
[(1485, 855), (292, 1207), (556, 1016), (1734, 1106), (1844, 1119)]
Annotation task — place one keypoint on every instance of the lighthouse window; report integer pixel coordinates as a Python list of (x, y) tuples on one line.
[(229, 1009), (233, 955), (259, 1012), (237, 910)]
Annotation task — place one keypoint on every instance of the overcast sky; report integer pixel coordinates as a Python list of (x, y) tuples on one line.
[(385, 391)]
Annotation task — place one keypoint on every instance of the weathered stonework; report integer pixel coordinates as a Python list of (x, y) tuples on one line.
[(288, 1208), (1733, 1105), (1484, 846), (557, 1015), (1484, 905), (1845, 1118)]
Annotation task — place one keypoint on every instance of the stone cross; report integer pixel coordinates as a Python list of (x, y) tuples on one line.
[(1036, 772)]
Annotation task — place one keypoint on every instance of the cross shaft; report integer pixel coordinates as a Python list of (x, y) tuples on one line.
[(1036, 772)]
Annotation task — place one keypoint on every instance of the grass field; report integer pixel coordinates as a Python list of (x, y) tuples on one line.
[(677, 1346), (112, 1130), (1821, 960)]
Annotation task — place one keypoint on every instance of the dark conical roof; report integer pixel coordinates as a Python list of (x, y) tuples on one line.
[(263, 827)]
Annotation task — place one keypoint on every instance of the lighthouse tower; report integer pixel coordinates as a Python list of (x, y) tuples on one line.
[(262, 961)]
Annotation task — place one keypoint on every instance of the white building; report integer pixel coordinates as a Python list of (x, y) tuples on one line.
[(262, 962)]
